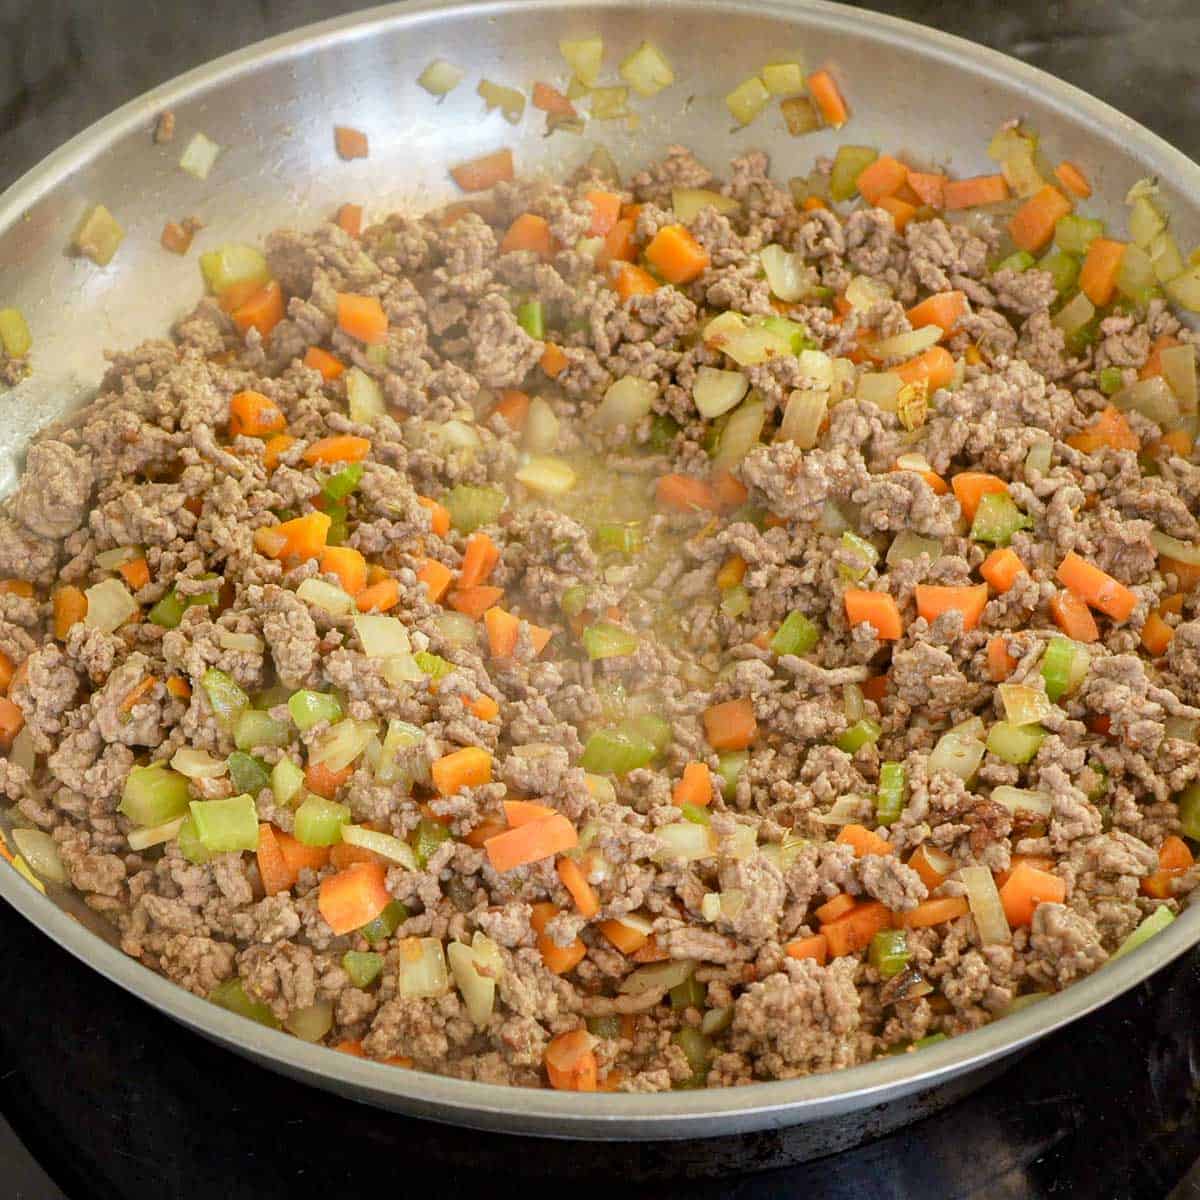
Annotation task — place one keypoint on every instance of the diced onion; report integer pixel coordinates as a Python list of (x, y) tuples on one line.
[(1040, 456), (1151, 397), (626, 402), (248, 643), (747, 344), (40, 851), (342, 743), (110, 560), (710, 906), (1186, 729), (109, 605), (1136, 272), (716, 1020), (741, 433), (1179, 370), (155, 835), (233, 263), (1024, 705), (584, 55), (1023, 800), (458, 435), (879, 388), (1075, 314), (637, 923), (326, 596), (422, 968), (863, 293), (541, 427), (1171, 547), (783, 78), (600, 787), (547, 476), (457, 628), (647, 71), (610, 103), (199, 155), (986, 906), (401, 669), (400, 736), (803, 417), (440, 77), (688, 202), (958, 754), (748, 99), (788, 276), (14, 333), (381, 636), (383, 844), (741, 844), (685, 840), (845, 810), (364, 396), (198, 764), (832, 520), (1166, 257), (716, 391), (818, 367), (476, 968), (906, 345), (843, 372), (657, 977), (908, 545), (22, 753), (508, 100), (312, 1023), (1145, 221)]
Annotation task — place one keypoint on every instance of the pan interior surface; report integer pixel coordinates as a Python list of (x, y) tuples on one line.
[(272, 108)]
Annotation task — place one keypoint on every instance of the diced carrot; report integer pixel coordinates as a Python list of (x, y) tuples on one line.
[(901, 210), (479, 174), (502, 632), (694, 786), (1174, 858), (136, 694), (933, 912), (179, 687), (930, 188), (974, 192), (469, 767), (1073, 179), (348, 565), (1153, 364), (1174, 443), (483, 707), (606, 212), (513, 406), (937, 484), (731, 725), (934, 600), (1187, 574), (275, 448), (349, 219), (70, 607), (1098, 275), (489, 827), (437, 578), (945, 309), (631, 280), (676, 254), (878, 608), (530, 843), (136, 573), (854, 931), (262, 311), (835, 908), (354, 897), (273, 870), (236, 294), (810, 947), (474, 601), (1002, 567), (480, 558), (1100, 725), (300, 857), (1001, 664), (251, 414), (439, 515), (350, 143), (1040, 861), (1156, 635), (344, 855), (732, 572), (522, 812), (528, 232), (930, 875), (823, 89), (631, 212), (301, 537), (620, 244), (320, 779), (339, 448), (570, 1060), (1074, 617), (177, 237), (553, 361), (971, 486), (1171, 604), (1111, 429), (321, 360), (1032, 225), (880, 178), (684, 493), (379, 597), (351, 1046), (362, 317), (934, 367), (863, 840), (875, 688), (625, 939), (12, 720), (1095, 587), (811, 203), (16, 587), (582, 892), (1025, 889), (650, 952), (7, 671)]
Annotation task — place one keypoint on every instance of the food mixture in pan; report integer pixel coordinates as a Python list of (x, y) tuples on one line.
[(630, 635)]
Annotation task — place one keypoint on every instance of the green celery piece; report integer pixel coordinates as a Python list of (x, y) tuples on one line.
[(863, 550), (339, 486), (1019, 260), (796, 333), (751, 514), (1078, 340), (226, 825), (574, 600), (257, 728), (1059, 669), (605, 639), (650, 728), (1100, 789), (930, 1040), (226, 698), (434, 665), (531, 319), (189, 843), (1156, 922), (336, 511), (848, 164), (154, 795), (319, 821), (287, 780), (1063, 269), (311, 708), (730, 766), (889, 952), (893, 792), (470, 506), (363, 966), (231, 995), (797, 635), (624, 538), (273, 697), (695, 1047), (168, 612), (1016, 744), (426, 838), (615, 751), (997, 518), (379, 930), (735, 601), (1189, 810), (1075, 234), (688, 994), (607, 1027), (663, 431), (858, 735), (695, 814), (1111, 380), (248, 773)]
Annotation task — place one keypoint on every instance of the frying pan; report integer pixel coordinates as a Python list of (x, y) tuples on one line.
[(272, 107)]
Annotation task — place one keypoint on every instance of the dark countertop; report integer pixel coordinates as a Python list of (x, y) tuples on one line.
[(114, 1101)]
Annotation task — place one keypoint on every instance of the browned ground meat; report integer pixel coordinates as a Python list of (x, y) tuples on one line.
[(769, 983)]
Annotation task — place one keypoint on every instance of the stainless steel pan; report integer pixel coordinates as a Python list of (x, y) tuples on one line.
[(273, 107)]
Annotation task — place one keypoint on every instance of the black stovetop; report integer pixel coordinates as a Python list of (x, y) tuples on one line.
[(111, 1101)]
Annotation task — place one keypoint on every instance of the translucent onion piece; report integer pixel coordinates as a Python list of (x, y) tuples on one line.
[(745, 342), (832, 520), (541, 427), (40, 851), (610, 103), (440, 77), (1145, 221), (626, 402), (110, 605), (155, 835), (689, 202), (657, 977), (783, 78), (716, 391), (1151, 397), (380, 636), (879, 388), (1039, 457), (342, 743), (110, 560), (1075, 314), (684, 840), (383, 844), (198, 764), (818, 367), (22, 753), (310, 1024), (421, 968), (508, 100), (547, 476), (845, 810), (907, 345), (1179, 370), (647, 71), (1136, 272), (637, 922), (710, 906), (907, 545), (788, 276), (458, 435), (1171, 547), (585, 56), (1024, 705), (199, 155), (476, 968), (326, 596), (748, 99), (741, 433), (1166, 257), (863, 293), (986, 906), (957, 753), (364, 397), (741, 844), (402, 669), (803, 417), (400, 736), (1023, 800), (247, 643)]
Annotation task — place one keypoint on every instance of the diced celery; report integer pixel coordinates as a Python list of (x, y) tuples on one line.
[(531, 319), (1062, 267), (736, 601), (617, 751), (426, 838), (1019, 260), (605, 639), (574, 600), (257, 728), (14, 333), (1111, 380), (339, 486), (625, 538), (336, 511), (311, 708), (1016, 744), (1064, 665), (793, 332), (651, 729), (889, 952), (695, 814), (233, 263), (154, 795), (99, 235), (931, 1039), (607, 1027), (287, 780), (997, 518), (232, 996), (663, 432), (248, 773), (1156, 922), (695, 1047), (688, 994), (168, 612), (319, 821), (433, 665), (189, 843), (892, 794), (849, 163), (470, 506), (1075, 234), (797, 635), (379, 930), (862, 551), (1079, 339), (858, 735), (226, 825), (363, 966), (1189, 810), (730, 766), (227, 700)]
